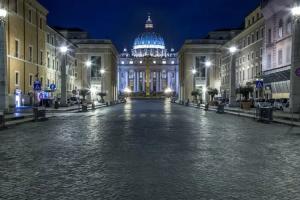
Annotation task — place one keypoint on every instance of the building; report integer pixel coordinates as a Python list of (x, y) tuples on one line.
[(199, 64), (25, 33), (245, 66), (150, 68), (277, 59), (96, 64), (62, 68)]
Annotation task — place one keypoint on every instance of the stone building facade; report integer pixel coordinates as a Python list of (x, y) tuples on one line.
[(245, 66), (26, 60), (194, 74), (150, 69)]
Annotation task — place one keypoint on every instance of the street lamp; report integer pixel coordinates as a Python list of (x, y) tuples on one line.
[(3, 53), (208, 64), (232, 99), (233, 49), (63, 50), (102, 71), (88, 63), (296, 11)]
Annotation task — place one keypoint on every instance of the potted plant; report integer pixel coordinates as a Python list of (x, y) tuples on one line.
[(102, 95), (212, 92), (195, 94), (245, 91)]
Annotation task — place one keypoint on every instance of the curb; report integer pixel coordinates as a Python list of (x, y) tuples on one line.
[(277, 121)]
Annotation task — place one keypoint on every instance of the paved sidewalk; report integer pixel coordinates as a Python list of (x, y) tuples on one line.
[(279, 116), (23, 117)]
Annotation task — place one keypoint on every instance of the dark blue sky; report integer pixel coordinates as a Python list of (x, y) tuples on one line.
[(122, 20)]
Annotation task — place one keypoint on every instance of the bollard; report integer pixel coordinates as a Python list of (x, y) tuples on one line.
[(2, 120)]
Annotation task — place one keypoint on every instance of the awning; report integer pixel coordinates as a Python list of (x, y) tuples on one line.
[(277, 76)]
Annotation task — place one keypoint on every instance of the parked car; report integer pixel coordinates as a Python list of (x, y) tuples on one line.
[(258, 102), (279, 104), (74, 100)]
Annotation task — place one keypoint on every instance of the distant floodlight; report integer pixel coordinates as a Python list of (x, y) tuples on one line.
[(194, 71), (296, 11), (3, 13), (88, 63), (102, 71), (63, 49), (233, 49), (208, 64)]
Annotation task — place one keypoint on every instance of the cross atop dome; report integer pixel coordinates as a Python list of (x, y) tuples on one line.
[(149, 24)]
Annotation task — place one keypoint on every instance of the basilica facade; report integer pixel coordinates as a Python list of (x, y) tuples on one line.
[(149, 68)]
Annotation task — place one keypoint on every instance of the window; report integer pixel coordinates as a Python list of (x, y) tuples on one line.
[(41, 57), (253, 38), (30, 53), (30, 15), (269, 35), (52, 40), (252, 55), (262, 33), (48, 38), (261, 52), (17, 78), (30, 80), (41, 23), (280, 57), (17, 48), (269, 61), (248, 73), (289, 25), (244, 43), (249, 40), (288, 54), (248, 57), (48, 59), (48, 82), (41, 81), (96, 67), (257, 35), (53, 64), (280, 29), (15, 6)]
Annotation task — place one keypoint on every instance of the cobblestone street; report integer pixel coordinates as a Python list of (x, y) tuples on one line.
[(150, 150)]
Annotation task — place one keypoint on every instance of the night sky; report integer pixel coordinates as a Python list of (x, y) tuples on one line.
[(122, 20)]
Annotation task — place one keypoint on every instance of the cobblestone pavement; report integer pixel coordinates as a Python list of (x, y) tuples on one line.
[(150, 150)]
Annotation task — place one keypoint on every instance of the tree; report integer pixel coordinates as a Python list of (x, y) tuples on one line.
[(212, 92), (245, 91), (195, 93), (84, 93), (102, 95)]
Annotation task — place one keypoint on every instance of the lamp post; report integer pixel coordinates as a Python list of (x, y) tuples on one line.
[(194, 72), (207, 64), (64, 50), (232, 82), (3, 66), (295, 68)]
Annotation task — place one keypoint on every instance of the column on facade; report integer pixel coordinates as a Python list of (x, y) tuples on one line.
[(143, 82), (127, 79), (160, 81), (151, 81), (157, 81), (232, 81), (138, 82), (134, 81)]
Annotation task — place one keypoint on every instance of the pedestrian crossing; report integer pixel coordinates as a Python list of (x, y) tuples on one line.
[(142, 115)]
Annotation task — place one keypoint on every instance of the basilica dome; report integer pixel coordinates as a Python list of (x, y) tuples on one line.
[(149, 43)]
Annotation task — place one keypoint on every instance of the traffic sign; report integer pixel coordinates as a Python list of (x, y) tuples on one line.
[(259, 84), (37, 86), (53, 87)]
